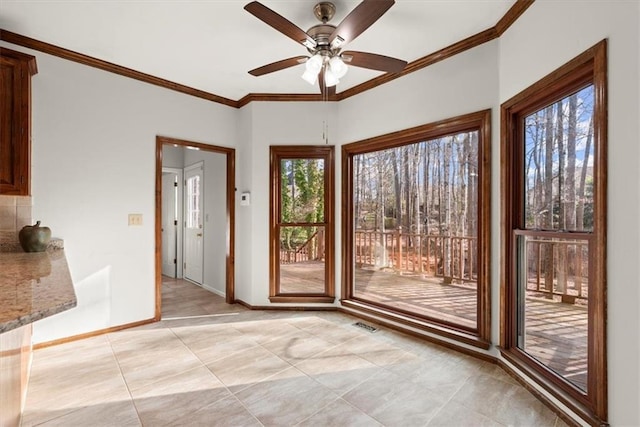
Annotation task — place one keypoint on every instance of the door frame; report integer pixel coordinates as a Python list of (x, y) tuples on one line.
[(180, 202), (230, 154)]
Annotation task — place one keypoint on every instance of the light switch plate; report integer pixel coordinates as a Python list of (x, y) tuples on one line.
[(135, 219), (245, 199)]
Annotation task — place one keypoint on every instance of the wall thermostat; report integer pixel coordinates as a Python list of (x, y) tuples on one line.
[(245, 199)]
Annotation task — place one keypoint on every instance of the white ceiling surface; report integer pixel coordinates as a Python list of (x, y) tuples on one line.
[(211, 44)]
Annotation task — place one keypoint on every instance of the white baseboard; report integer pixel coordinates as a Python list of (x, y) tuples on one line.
[(215, 291)]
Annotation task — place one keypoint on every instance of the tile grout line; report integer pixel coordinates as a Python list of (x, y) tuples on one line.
[(71, 411), (126, 384), (204, 365), (291, 366), (447, 402), (231, 394), (155, 380)]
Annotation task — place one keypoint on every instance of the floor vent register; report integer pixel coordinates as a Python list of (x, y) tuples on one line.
[(365, 327)]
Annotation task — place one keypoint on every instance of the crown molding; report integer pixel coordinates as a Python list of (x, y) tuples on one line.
[(519, 7), (282, 97), (80, 58), (425, 61), (512, 15)]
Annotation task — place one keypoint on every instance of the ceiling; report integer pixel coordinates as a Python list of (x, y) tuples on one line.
[(210, 45)]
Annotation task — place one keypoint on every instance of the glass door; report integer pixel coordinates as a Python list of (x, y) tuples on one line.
[(301, 224)]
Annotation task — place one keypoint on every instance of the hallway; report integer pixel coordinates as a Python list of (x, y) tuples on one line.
[(208, 363)]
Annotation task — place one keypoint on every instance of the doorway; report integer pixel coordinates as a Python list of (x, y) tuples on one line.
[(171, 218), (219, 236)]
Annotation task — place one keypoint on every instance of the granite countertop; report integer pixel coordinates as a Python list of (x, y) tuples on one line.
[(33, 286)]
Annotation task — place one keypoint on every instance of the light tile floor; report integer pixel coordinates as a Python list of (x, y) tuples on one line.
[(212, 364)]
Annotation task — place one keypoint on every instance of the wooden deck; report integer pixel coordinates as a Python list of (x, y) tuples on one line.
[(302, 277), (556, 333), (424, 296)]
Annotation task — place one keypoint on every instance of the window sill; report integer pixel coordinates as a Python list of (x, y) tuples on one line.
[(358, 307), (576, 405), (294, 299)]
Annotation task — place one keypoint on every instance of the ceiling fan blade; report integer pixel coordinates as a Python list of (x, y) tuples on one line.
[(360, 18), (280, 23), (277, 66), (374, 61)]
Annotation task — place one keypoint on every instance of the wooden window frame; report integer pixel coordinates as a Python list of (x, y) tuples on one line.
[(478, 121), (276, 154), (588, 68)]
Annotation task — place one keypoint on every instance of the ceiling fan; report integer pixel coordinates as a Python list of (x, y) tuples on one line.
[(324, 42)]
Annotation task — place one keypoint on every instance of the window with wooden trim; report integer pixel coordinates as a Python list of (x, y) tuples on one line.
[(302, 229), (553, 240), (416, 227)]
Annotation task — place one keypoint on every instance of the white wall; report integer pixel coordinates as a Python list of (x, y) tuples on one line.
[(265, 124), (93, 164), (463, 84), (244, 226), (548, 35), (215, 217), (172, 157)]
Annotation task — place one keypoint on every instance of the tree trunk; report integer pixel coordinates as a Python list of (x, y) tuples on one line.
[(427, 184), (561, 165), (583, 179), (397, 185), (548, 195), (447, 207), (562, 221), (407, 181), (570, 191)]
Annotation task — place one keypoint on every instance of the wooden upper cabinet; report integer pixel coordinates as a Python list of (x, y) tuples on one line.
[(16, 70)]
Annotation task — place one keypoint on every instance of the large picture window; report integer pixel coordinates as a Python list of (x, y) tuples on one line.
[(554, 217), (302, 230), (416, 227)]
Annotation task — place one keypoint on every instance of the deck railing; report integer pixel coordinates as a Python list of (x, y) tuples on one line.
[(555, 268), (311, 250), (448, 257), (558, 268)]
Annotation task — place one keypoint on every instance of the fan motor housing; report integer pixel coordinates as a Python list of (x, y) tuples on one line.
[(321, 33)]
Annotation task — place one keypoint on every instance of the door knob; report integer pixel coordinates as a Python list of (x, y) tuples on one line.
[(199, 234)]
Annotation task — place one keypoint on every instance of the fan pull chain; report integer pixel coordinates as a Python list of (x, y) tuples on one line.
[(325, 131), (325, 123)]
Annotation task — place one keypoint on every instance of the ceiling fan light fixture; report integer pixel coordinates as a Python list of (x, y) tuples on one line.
[(314, 64), (310, 77), (330, 78), (338, 67)]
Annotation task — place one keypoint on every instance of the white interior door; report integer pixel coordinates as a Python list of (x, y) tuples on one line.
[(169, 223), (193, 222)]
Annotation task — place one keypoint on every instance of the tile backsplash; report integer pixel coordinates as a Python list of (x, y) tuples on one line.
[(15, 213)]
